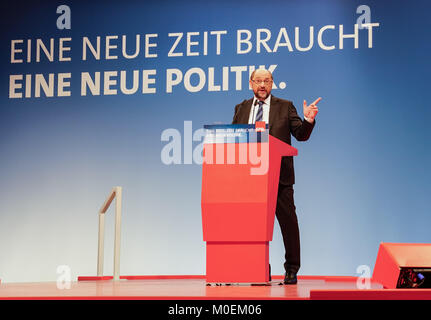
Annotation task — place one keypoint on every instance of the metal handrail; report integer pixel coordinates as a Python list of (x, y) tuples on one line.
[(115, 194)]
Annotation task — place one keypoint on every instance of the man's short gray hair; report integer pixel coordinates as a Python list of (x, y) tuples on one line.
[(252, 74)]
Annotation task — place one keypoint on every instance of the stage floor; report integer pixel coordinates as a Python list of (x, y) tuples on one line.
[(195, 288)]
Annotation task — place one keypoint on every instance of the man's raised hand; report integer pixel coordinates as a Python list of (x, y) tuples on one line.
[(311, 111)]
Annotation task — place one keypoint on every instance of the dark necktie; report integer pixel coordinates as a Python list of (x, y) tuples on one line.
[(259, 114)]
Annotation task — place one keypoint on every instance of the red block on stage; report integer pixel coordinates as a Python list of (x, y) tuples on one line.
[(393, 257), (239, 195)]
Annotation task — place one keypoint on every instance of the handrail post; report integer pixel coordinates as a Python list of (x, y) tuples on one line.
[(117, 239), (117, 194), (101, 246)]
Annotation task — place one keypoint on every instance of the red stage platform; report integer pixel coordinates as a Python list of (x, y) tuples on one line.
[(195, 288)]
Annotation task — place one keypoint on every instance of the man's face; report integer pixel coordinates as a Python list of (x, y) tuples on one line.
[(261, 84)]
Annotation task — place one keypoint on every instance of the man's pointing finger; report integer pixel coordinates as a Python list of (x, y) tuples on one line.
[(316, 101)]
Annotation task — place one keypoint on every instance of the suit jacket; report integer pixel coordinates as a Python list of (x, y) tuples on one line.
[(283, 122)]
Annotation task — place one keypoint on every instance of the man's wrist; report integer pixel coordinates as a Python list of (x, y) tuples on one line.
[(308, 119)]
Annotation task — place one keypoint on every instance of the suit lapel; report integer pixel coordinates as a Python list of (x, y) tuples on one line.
[(245, 112), (273, 111)]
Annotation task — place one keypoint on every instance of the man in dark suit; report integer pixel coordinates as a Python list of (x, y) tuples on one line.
[(283, 121)]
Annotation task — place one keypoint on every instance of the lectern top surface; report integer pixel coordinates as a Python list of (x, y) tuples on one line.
[(235, 133), (231, 126)]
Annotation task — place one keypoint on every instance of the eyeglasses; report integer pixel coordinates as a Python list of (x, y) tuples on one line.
[(266, 81)]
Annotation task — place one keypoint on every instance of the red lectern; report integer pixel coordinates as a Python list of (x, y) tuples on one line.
[(240, 178)]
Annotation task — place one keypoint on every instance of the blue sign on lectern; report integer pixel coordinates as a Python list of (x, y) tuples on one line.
[(235, 133)]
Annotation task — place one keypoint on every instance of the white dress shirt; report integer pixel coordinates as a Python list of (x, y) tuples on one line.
[(254, 108)]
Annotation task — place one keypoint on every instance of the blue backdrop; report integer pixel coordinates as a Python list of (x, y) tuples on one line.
[(362, 178)]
